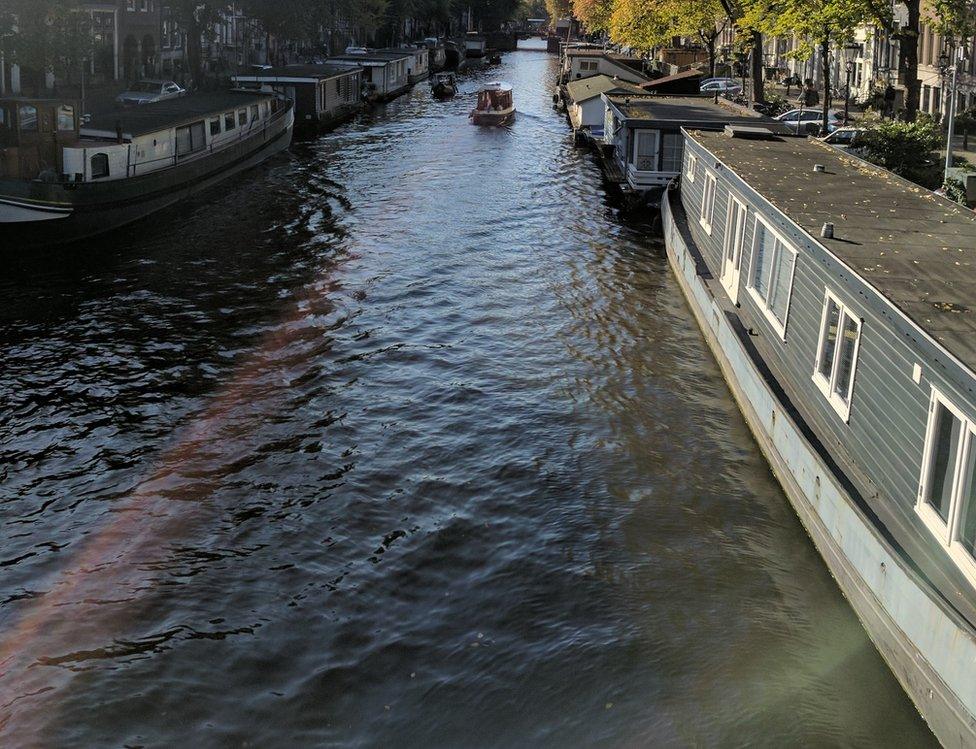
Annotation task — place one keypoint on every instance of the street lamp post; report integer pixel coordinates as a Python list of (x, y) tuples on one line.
[(848, 69), (850, 50), (951, 110)]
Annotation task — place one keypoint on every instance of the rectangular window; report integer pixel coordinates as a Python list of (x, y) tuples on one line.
[(735, 230), (708, 202), (190, 139), (691, 167), (840, 337), (771, 275), (229, 122), (215, 127), (242, 117), (255, 116), (27, 116), (671, 148), (947, 488)]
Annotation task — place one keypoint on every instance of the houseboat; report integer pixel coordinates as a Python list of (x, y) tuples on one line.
[(474, 45), (584, 101), (385, 74), (443, 85), (495, 105), (62, 181), (324, 95), (837, 299), (418, 62), (436, 54), (644, 141), (584, 61)]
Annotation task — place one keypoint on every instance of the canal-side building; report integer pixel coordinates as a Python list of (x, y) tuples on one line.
[(644, 133), (837, 299), (324, 95)]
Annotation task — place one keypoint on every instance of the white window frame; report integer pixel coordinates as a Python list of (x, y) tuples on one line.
[(826, 384), (730, 275), (691, 167), (703, 219), (946, 533), (779, 327)]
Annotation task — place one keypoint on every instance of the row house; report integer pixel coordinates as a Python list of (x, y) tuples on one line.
[(874, 55)]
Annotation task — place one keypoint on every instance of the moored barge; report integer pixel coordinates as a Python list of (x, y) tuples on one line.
[(837, 299), (61, 181)]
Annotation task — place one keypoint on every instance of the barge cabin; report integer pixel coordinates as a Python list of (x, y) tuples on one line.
[(385, 74), (474, 45), (418, 62), (839, 300), (645, 133), (585, 105), (324, 95), (436, 54), (61, 181), (583, 62)]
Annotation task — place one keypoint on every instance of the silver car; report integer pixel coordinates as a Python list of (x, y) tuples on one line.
[(146, 92)]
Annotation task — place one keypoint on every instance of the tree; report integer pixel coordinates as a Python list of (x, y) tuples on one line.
[(46, 36), (816, 23), (905, 148), (197, 19), (594, 14)]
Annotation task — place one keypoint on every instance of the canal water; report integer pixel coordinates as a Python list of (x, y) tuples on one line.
[(402, 439)]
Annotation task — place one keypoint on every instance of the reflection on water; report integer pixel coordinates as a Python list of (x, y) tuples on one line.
[(401, 439)]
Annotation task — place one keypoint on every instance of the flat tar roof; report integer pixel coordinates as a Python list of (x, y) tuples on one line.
[(917, 249), (689, 110), (296, 71), (588, 88), (149, 118)]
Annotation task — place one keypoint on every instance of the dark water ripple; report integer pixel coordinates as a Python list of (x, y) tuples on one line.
[(400, 440)]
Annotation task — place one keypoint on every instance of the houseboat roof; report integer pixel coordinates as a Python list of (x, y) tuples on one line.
[(585, 89), (688, 111), (916, 248), (684, 75), (374, 56), (496, 86), (405, 50), (296, 73), (161, 115)]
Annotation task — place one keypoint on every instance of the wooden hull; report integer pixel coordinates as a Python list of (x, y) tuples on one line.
[(86, 210), (504, 117)]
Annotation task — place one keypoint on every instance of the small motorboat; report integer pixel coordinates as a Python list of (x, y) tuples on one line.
[(443, 85), (495, 59), (495, 105)]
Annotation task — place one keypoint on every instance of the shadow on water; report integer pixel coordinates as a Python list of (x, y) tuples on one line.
[(402, 439)]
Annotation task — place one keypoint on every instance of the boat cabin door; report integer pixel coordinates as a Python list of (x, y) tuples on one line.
[(645, 150), (732, 251)]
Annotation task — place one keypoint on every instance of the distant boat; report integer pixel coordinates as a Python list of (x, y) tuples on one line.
[(495, 105), (443, 85)]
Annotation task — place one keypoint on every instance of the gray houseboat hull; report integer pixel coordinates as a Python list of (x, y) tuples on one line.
[(88, 209), (928, 646)]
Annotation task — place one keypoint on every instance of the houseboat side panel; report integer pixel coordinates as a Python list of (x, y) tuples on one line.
[(879, 440), (917, 634)]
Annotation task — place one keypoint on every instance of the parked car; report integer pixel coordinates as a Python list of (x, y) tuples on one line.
[(146, 92), (808, 121), (721, 86), (848, 139)]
